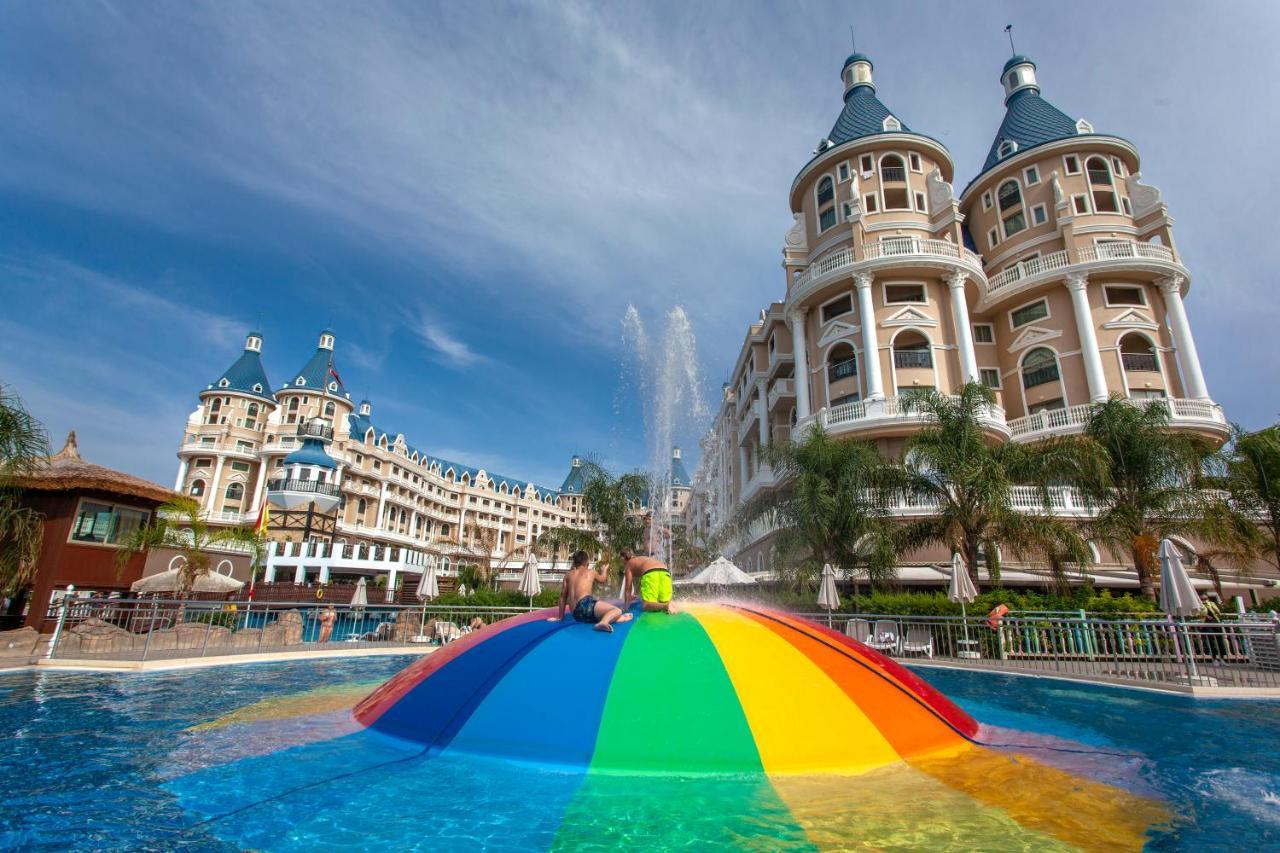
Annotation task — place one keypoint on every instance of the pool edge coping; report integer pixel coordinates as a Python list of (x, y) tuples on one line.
[(159, 665)]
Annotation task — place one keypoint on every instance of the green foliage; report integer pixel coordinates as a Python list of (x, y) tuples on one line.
[(936, 603), (1266, 605), (549, 597), (1152, 483), (613, 502), (1252, 476), (179, 524), (217, 618), (833, 509), (952, 463), (23, 443)]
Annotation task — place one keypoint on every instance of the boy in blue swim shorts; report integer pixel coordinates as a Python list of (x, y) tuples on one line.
[(577, 587)]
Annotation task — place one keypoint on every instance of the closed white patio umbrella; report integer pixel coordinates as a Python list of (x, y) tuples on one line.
[(428, 590), (962, 591), (828, 597), (530, 583), (1178, 596)]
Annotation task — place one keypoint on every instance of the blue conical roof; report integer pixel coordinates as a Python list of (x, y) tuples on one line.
[(863, 115), (1029, 121), (246, 375), (311, 452), (315, 373), (574, 482), (679, 476)]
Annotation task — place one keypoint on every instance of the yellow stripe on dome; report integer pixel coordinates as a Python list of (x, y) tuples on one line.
[(801, 720)]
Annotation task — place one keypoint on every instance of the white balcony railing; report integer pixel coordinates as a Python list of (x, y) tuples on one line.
[(890, 247), (1182, 412), (1033, 268), (871, 413)]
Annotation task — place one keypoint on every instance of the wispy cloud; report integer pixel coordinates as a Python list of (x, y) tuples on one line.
[(444, 345)]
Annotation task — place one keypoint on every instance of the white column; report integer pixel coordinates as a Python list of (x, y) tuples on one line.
[(391, 584), (800, 351), (299, 574), (870, 342), (382, 501), (217, 479), (337, 474), (324, 573), (1188, 358), (964, 332), (762, 412), (1078, 284), (261, 484), (743, 475), (182, 475)]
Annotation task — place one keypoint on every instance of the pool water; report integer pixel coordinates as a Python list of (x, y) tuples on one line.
[(223, 759)]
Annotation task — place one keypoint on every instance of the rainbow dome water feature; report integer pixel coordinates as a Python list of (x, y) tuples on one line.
[(738, 691)]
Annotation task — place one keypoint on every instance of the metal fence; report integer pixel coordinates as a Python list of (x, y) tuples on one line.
[(156, 629), (1152, 651)]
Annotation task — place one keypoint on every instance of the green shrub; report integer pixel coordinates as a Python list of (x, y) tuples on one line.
[(936, 603)]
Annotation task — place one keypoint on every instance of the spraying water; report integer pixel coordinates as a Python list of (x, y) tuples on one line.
[(666, 381)]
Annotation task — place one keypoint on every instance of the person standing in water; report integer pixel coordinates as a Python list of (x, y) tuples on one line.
[(654, 578), (577, 587)]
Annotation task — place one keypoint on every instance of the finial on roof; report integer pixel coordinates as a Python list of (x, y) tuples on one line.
[(857, 72), (1008, 30), (70, 450)]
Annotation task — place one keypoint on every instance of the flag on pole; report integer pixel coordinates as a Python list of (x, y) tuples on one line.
[(264, 518)]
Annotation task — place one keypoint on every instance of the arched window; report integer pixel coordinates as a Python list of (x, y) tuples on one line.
[(293, 404), (235, 491), (912, 349), (214, 408), (252, 411), (842, 363), (1102, 185), (1011, 212), (1039, 366), (197, 489), (826, 204), (328, 410), (361, 506), (893, 183)]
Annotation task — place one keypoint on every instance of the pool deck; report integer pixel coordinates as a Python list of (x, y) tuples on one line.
[(1027, 669)]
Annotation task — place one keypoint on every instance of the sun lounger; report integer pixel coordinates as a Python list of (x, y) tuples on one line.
[(447, 632), (858, 629), (918, 641), (885, 636)]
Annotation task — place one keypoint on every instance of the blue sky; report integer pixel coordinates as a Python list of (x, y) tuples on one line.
[(471, 194)]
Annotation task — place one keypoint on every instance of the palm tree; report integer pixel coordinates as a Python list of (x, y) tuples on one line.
[(832, 509), (178, 524), (951, 464), (1252, 464), (1153, 484), (23, 444), (613, 503)]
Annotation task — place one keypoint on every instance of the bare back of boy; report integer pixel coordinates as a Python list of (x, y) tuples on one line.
[(576, 594)]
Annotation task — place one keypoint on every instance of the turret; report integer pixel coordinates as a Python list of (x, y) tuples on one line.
[(246, 375)]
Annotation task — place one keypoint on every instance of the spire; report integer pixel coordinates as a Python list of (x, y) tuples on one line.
[(70, 450), (1029, 119), (573, 482), (679, 476), (319, 373), (246, 374), (863, 114)]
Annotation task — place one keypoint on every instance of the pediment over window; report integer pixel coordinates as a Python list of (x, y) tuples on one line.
[(838, 330), (1033, 335), (1132, 319), (910, 317)]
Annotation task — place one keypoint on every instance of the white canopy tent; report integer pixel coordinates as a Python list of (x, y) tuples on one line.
[(720, 572)]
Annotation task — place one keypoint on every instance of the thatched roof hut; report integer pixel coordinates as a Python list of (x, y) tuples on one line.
[(66, 470)]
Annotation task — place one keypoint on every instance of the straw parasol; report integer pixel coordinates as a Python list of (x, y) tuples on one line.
[(962, 591), (169, 581), (67, 470), (828, 598), (530, 583)]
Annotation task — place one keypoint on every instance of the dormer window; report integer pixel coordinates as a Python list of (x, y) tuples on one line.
[(1006, 148), (891, 123), (223, 383), (1083, 126), (333, 386), (257, 387), (300, 382)]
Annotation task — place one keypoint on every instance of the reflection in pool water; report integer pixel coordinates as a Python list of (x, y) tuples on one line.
[(222, 759)]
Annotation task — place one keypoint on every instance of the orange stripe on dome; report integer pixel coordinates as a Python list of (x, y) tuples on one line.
[(898, 713)]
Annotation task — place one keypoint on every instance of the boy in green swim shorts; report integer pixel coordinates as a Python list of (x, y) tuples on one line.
[(654, 578)]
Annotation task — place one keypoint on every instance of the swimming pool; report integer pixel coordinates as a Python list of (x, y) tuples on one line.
[(219, 759)]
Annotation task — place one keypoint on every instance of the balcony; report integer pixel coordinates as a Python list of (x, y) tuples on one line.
[(887, 252), (912, 358), (316, 429), (888, 412), (842, 370), (782, 389), (314, 487), (893, 175), (1040, 376), (1194, 414), (1140, 362), (1126, 254)]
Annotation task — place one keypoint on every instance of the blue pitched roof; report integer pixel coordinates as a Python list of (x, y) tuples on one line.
[(248, 376), (359, 426), (311, 453), (315, 373), (573, 482), (1029, 121), (863, 115), (679, 476)]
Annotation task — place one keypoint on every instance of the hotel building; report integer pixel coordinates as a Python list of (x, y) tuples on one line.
[(348, 496), (1052, 277)]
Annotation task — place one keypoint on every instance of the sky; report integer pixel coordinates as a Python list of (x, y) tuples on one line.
[(471, 194)]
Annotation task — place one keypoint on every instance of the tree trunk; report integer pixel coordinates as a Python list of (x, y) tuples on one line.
[(970, 547), (1143, 549)]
